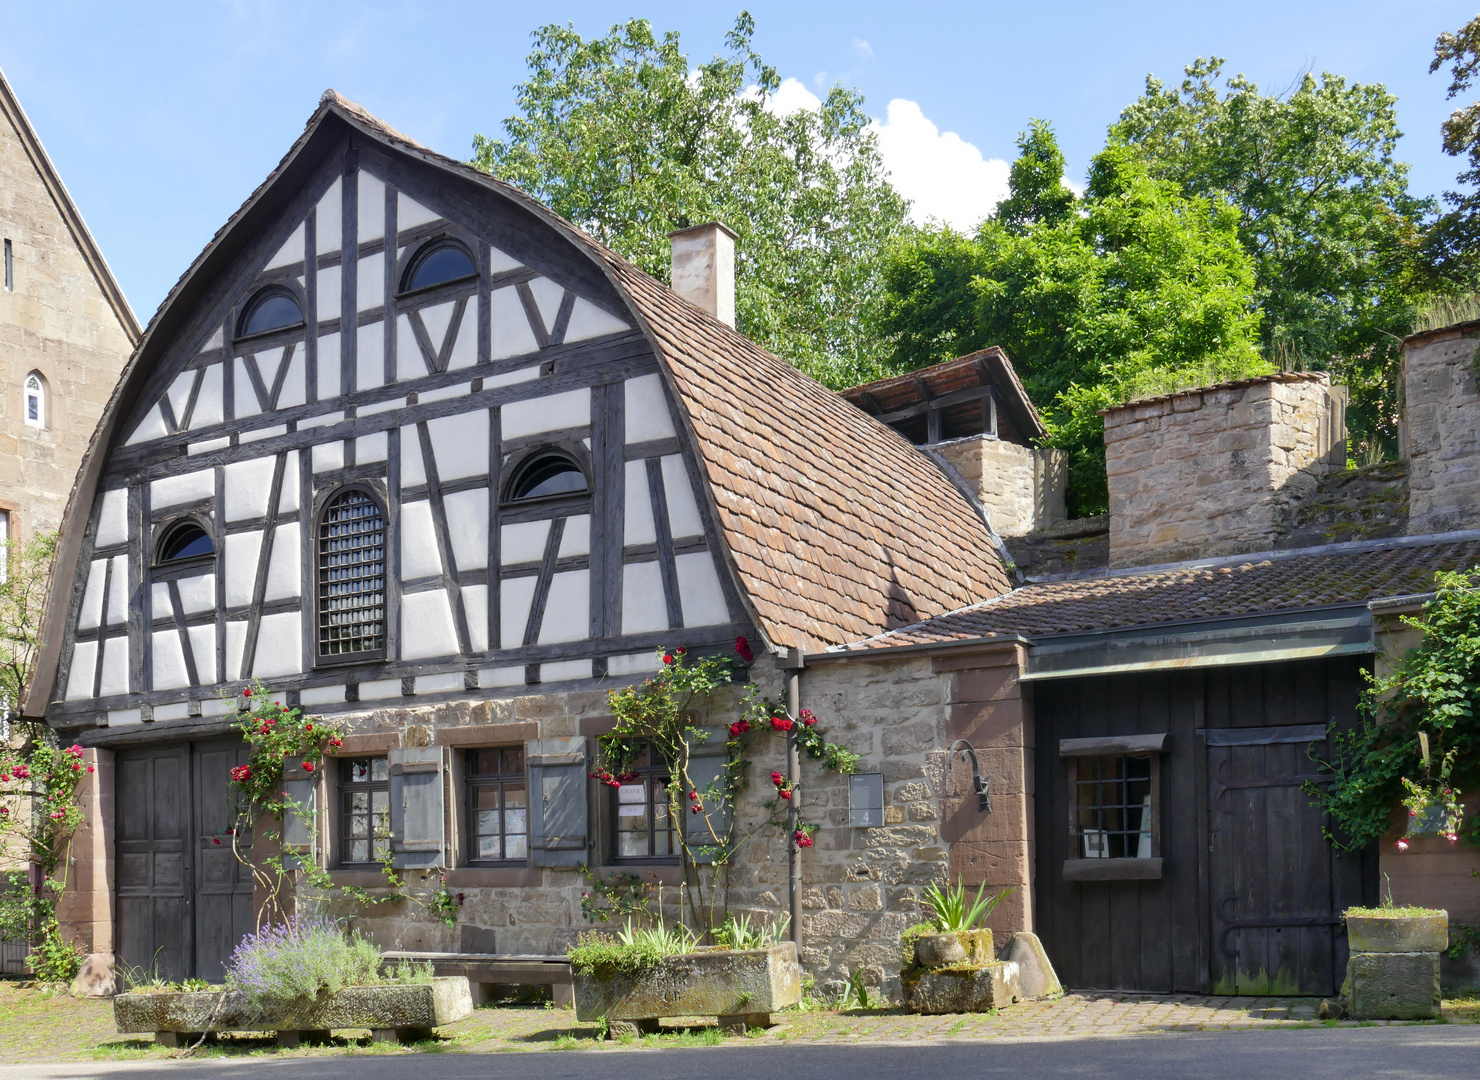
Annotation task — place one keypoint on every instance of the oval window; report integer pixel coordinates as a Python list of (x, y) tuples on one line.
[(272, 309), (185, 541), (547, 474), (438, 265)]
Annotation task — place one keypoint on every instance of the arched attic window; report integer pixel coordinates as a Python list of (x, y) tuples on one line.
[(544, 474), (182, 540), (351, 572), (272, 308), (33, 408), (437, 263)]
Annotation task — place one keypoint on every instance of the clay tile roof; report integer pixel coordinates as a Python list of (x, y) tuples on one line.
[(1267, 583)]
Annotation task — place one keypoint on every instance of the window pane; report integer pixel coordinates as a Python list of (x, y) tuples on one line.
[(380, 769), (517, 847), (487, 823), (487, 797), (359, 851), (632, 845), (273, 313), (1113, 807), (513, 760), (514, 795), (359, 802), (446, 263), (485, 762), (359, 770), (514, 822), (488, 848)]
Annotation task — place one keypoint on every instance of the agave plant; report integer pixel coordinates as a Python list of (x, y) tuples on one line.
[(951, 911)]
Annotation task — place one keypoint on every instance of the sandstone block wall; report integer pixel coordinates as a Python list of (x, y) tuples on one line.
[(1221, 470), (1021, 487), (1441, 430)]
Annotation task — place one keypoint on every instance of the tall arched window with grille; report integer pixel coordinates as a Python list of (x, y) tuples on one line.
[(351, 569)]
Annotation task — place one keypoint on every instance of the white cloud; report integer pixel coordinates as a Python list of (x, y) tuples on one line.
[(863, 47), (945, 177), (791, 96)]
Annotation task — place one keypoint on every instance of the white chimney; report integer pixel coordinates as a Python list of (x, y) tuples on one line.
[(704, 268)]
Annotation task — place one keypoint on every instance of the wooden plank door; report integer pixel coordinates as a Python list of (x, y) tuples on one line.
[(1276, 886), (154, 873), (223, 885)]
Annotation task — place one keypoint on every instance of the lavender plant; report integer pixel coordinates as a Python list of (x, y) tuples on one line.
[(306, 957)]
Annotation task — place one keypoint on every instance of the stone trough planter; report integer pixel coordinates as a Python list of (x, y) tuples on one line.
[(742, 987), (956, 973), (1393, 970), (392, 1011)]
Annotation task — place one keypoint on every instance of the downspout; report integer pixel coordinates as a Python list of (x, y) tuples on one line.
[(792, 663)]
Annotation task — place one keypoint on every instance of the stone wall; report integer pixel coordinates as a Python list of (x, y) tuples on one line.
[(1022, 488), (1220, 470), (1066, 548), (1441, 429)]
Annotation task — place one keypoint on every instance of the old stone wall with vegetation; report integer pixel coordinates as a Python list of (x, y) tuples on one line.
[(1021, 488), (1441, 430)]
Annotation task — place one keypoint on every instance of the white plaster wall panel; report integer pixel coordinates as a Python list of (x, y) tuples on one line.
[(475, 606), (510, 332), (441, 683), (442, 393), (178, 711), (375, 689), (467, 527), (370, 282), (124, 717), (499, 261), (410, 213), (427, 628), (568, 608), (328, 457), (564, 670), (118, 597), (409, 362), (460, 444), (465, 345), (214, 342), (203, 652), (244, 399), (288, 498), (372, 207), (576, 540), (632, 664), (90, 613), (699, 591), (258, 434), (159, 599), (112, 519), (179, 393), (554, 412), (236, 640), (248, 486), (115, 667), (239, 566), (151, 427), (209, 403), (321, 695), (213, 706), (509, 378), (646, 410), (419, 557), (637, 510), (369, 356), (294, 390), (683, 509), (492, 677), (328, 375), (523, 542), (197, 593), (547, 297), (328, 223), (169, 661), (185, 488), (435, 320), (643, 607), (329, 289), (412, 471), (279, 646), (207, 445), (515, 596), (291, 251), (370, 448), (268, 362), (589, 321), (284, 582), (84, 668)]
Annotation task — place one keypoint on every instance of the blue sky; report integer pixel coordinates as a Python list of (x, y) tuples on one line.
[(163, 117)]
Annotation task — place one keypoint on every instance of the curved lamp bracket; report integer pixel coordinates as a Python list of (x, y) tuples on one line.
[(979, 784)]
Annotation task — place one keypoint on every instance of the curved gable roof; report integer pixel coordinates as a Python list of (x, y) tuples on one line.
[(835, 527)]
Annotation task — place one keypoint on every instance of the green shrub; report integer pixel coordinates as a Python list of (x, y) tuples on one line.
[(632, 951)]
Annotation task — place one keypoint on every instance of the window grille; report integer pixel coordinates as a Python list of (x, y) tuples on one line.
[(1113, 807), (351, 576)]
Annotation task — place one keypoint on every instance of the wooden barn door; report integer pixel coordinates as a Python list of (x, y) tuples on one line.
[(1276, 886), (183, 900)]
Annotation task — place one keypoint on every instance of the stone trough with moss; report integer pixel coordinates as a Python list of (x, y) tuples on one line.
[(390, 1010)]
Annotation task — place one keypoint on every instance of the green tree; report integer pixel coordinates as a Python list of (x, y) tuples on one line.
[(1454, 242), (1036, 182), (1323, 210), (622, 136)]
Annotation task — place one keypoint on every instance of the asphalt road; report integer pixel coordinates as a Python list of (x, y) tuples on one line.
[(1430, 1053)]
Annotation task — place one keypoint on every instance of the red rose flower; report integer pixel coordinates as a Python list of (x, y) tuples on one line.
[(91, 769), (781, 723), (742, 650), (681, 650), (308, 766), (777, 779), (785, 794), (308, 727), (667, 658), (802, 839), (806, 717), (247, 693), (76, 767), (216, 840)]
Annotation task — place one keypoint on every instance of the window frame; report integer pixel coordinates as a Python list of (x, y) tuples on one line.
[(166, 529), (1077, 753), (648, 774), (473, 782), (525, 460), (424, 251), (259, 297), (41, 404), (324, 500), (345, 786)]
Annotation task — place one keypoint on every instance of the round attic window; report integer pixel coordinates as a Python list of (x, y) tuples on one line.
[(437, 264), (271, 309), (185, 540), (543, 475)]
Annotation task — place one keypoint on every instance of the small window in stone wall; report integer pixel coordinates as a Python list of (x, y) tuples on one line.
[(498, 806), (34, 406), (866, 800), (364, 810)]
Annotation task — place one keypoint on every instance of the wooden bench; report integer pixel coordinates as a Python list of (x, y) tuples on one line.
[(484, 971)]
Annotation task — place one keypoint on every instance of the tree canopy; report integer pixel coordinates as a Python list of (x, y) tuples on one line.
[(623, 137)]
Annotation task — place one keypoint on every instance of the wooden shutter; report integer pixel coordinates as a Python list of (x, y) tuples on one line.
[(302, 789), (558, 833), (417, 817), (706, 766)]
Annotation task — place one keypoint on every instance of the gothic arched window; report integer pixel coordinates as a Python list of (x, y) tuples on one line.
[(34, 406)]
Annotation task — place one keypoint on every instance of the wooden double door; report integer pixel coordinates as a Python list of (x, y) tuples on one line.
[(1250, 892), (183, 900)]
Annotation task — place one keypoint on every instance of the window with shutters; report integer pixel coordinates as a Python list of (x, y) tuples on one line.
[(351, 572), (498, 806), (364, 810), (644, 826)]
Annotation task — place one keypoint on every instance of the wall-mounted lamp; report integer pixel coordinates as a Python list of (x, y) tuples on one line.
[(980, 784)]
